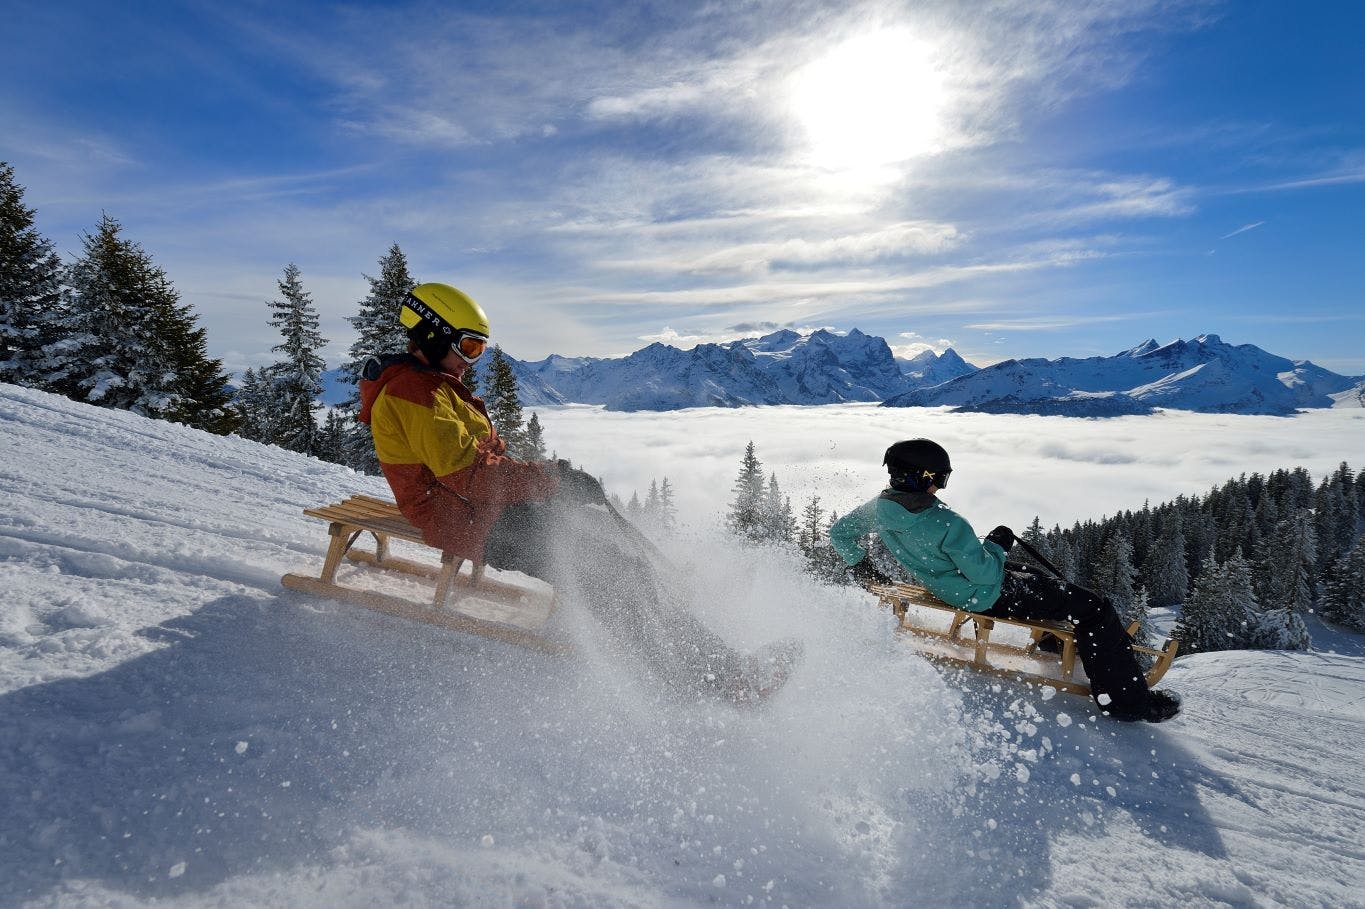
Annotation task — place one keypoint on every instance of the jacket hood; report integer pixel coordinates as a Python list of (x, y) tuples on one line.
[(380, 371)]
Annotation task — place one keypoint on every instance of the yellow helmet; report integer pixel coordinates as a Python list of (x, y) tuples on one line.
[(445, 307), (438, 316)]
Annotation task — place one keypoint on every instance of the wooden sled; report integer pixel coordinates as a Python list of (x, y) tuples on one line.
[(916, 610), (481, 606)]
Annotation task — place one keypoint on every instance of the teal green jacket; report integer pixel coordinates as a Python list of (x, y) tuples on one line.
[(936, 545)]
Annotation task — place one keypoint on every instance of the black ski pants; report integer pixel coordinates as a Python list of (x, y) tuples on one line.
[(1102, 643)]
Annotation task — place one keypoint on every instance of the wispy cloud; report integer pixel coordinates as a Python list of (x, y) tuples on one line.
[(1336, 179), (686, 340), (1243, 229), (911, 344), (1055, 322)]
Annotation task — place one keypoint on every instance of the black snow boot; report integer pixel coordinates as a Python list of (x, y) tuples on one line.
[(1160, 706)]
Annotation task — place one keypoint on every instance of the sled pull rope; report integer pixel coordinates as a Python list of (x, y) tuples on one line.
[(1040, 558)]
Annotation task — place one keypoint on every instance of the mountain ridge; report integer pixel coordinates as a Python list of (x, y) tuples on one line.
[(1203, 374)]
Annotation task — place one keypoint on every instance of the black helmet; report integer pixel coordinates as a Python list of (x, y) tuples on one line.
[(917, 464)]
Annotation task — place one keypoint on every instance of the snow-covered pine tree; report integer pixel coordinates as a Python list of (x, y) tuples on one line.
[(203, 397), (127, 341), (504, 404), (809, 531), (1114, 574), (1334, 515), (1164, 572), (668, 508), (256, 406), (30, 289), (378, 331), (634, 510), (535, 439), (778, 522), (745, 518), (651, 506), (1035, 536), (1343, 589), (1064, 556), (471, 378), (297, 378), (1285, 566), (333, 439), (1217, 613)]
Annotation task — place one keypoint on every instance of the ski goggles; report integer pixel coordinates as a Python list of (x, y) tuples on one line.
[(469, 346)]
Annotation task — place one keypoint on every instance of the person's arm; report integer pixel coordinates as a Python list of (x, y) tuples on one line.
[(406, 431), (453, 438), (980, 563), (851, 528)]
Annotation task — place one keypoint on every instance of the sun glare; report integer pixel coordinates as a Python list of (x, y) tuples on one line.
[(871, 101)]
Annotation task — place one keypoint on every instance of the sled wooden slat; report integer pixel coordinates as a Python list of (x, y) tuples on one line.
[(480, 605), (977, 653)]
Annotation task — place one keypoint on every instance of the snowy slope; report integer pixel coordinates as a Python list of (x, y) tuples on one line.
[(175, 727), (1204, 374)]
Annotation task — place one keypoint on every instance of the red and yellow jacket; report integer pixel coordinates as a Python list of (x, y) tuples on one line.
[(443, 459)]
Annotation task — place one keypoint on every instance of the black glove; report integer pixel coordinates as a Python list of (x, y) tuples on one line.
[(867, 574), (1003, 537), (579, 488)]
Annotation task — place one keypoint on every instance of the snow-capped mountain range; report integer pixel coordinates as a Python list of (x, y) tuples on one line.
[(784, 367), (1204, 374)]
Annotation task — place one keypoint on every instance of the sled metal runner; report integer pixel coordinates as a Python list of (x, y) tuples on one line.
[(467, 602), (921, 614)]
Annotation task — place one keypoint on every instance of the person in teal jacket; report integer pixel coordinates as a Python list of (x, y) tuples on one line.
[(938, 546)]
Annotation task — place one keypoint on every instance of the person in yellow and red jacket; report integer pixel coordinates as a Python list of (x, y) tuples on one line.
[(449, 471), (452, 478)]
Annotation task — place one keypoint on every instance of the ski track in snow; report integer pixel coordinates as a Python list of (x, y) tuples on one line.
[(175, 727)]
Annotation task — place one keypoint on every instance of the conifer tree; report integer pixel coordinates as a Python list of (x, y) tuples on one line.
[(1114, 574), (633, 508), (1286, 564), (1164, 573), (745, 518), (778, 522), (30, 289), (1218, 613), (378, 332), (127, 341), (256, 406), (504, 404), (471, 378), (333, 438), (1343, 588), (651, 506), (1064, 557), (809, 533), (668, 508), (1035, 537), (378, 329), (535, 439), (204, 396), (297, 379)]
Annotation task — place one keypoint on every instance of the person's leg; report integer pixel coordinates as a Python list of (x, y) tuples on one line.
[(1102, 643), (584, 553)]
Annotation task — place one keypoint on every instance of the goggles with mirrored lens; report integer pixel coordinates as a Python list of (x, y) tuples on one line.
[(470, 346)]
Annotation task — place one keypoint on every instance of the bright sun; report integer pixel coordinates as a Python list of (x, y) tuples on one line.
[(871, 101)]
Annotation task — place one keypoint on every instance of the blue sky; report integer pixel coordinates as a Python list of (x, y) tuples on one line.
[(1011, 178)]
